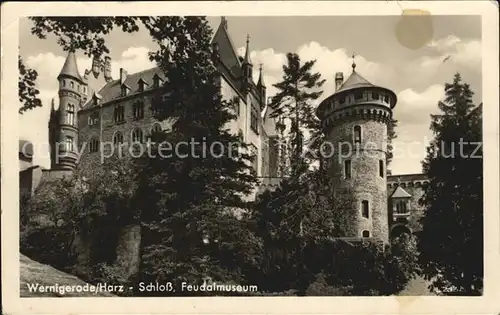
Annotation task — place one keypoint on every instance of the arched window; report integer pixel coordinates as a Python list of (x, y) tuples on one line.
[(94, 145), (72, 84), (118, 138), (137, 135), (381, 168), (366, 233), (365, 209), (357, 134), (71, 114)]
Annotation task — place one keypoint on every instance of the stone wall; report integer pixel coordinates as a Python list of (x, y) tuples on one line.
[(365, 182)]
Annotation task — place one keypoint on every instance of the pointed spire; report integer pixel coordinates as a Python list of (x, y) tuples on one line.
[(70, 67), (261, 77), (247, 53)]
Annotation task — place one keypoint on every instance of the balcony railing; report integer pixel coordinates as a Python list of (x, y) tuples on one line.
[(401, 214)]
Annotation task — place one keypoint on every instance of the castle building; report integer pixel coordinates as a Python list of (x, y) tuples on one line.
[(355, 121), (97, 112)]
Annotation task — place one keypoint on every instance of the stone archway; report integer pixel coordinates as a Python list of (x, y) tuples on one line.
[(399, 229)]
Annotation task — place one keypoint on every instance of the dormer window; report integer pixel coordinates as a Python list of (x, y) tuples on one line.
[(142, 85), (125, 90), (156, 81)]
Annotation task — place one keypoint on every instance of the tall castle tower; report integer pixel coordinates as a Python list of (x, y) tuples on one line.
[(354, 120), (63, 123)]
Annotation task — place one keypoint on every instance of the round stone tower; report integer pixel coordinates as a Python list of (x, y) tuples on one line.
[(65, 122), (354, 120)]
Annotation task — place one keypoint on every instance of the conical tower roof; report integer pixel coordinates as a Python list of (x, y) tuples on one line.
[(354, 81), (70, 67)]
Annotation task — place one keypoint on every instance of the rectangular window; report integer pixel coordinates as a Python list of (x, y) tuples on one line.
[(71, 115), (358, 95), (347, 169), (375, 95), (357, 134), (119, 113), (69, 144), (366, 233), (365, 209), (138, 110), (93, 119), (381, 168), (254, 120)]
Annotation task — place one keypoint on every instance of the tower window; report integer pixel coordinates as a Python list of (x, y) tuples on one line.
[(71, 114), (137, 135), (358, 95), (357, 134), (365, 209), (72, 84), (375, 95), (69, 144), (119, 113), (386, 99), (341, 101), (347, 169), (381, 168), (118, 138), (138, 110), (94, 145), (366, 233)]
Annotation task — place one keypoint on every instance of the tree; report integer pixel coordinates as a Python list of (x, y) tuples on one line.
[(28, 93), (451, 242), (189, 196), (296, 92), (294, 222)]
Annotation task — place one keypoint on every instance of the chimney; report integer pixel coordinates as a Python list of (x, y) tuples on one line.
[(123, 75), (339, 79), (107, 68)]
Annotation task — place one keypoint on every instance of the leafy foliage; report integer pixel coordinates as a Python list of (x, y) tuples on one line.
[(189, 198), (451, 242), (28, 93), (294, 101)]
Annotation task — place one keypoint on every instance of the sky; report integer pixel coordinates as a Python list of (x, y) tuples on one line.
[(412, 58)]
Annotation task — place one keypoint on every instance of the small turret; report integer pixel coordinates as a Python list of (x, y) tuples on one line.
[(247, 65), (339, 79)]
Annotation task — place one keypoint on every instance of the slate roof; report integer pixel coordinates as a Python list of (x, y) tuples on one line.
[(400, 193), (227, 51), (113, 89), (70, 68), (354, 81)]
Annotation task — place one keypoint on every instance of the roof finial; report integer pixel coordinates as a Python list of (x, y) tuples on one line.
[(353, 63)]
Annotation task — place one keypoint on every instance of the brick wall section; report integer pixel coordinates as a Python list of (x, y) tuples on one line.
[(365, 182)]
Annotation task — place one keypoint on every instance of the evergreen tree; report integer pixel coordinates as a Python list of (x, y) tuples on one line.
[(297, 91), (451, 242), (189, 195)]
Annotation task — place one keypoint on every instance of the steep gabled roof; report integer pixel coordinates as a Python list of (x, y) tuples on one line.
[(228, 55), (400, 193)]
